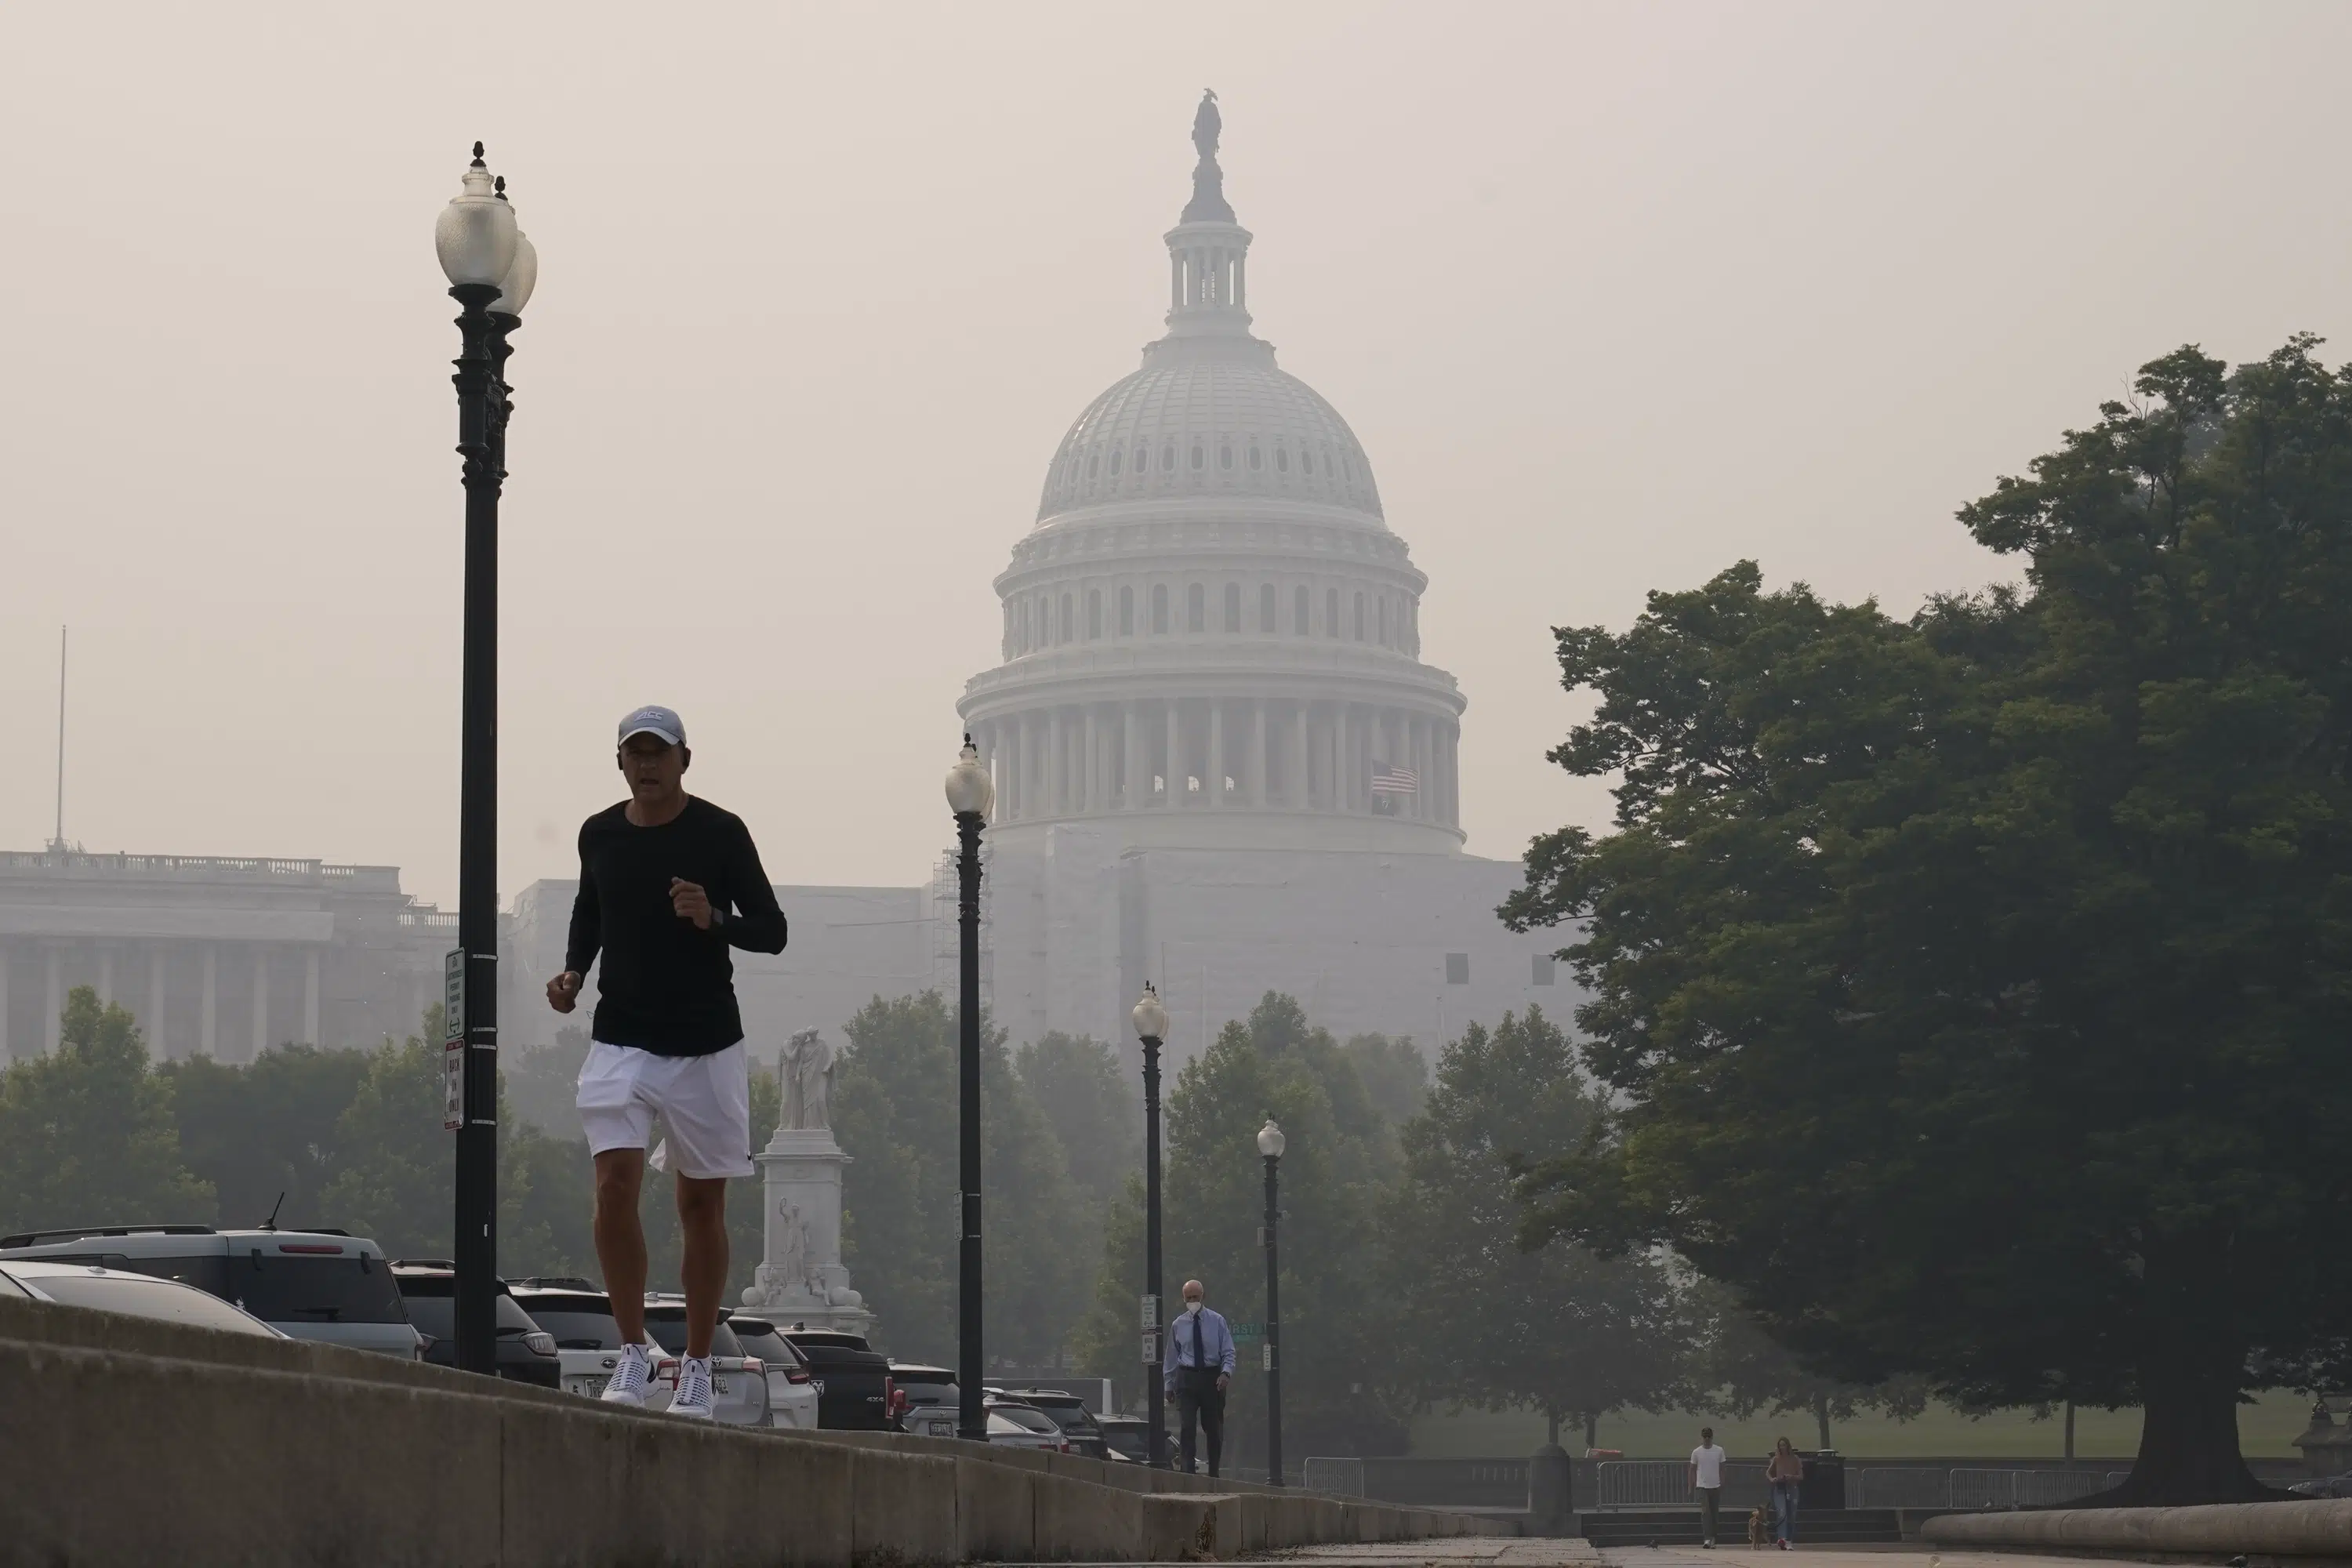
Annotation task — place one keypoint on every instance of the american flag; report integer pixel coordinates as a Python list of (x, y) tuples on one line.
[(1388, 779)]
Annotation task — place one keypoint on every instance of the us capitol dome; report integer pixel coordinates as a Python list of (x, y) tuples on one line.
[(1211, 638)]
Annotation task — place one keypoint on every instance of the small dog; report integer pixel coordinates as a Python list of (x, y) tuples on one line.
[(1757, 1529)]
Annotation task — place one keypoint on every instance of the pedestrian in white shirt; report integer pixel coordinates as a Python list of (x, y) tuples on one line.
[(1706, 1479)]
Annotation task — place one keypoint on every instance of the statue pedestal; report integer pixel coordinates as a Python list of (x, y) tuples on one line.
[(801, 1280)]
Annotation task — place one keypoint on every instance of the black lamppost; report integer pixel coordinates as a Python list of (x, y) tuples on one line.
[(971, 793), (1152, 1027), (1270, 1142), (491, 269)]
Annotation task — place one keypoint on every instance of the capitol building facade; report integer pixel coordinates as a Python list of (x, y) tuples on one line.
[(1222, 764)]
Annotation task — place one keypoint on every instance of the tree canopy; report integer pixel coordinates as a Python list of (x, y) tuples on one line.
[(1971, 987)]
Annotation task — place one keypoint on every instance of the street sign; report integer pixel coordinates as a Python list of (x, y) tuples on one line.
[(1150, 1312), (453, 1084), (1152, 1347), (1268, 1348), (1247, 1333), (453, 995)]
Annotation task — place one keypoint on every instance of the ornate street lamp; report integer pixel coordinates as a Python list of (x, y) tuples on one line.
[(971, 793), (1152, 1027), (491, 270), (1270, 1142)]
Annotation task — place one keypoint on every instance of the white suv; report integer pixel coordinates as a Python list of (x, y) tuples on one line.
[(306, 1284)]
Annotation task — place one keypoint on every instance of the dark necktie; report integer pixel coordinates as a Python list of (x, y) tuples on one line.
[(1199, 1358)]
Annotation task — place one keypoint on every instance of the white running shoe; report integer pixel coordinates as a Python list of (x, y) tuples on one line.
[(692, 1399), (630, 1378)]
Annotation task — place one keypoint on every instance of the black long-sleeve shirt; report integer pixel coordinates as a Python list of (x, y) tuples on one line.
[(667, 987)]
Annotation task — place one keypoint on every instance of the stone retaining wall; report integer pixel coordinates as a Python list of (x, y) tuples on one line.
[(127, 1442), (2307, 1532)]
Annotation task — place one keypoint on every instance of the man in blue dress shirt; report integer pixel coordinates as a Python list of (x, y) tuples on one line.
[(1197, 1367)]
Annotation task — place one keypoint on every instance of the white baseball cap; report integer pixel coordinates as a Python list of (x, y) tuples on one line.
[(661, 723)]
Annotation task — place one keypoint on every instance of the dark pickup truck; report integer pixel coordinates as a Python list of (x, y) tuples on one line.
[(857, 1395)]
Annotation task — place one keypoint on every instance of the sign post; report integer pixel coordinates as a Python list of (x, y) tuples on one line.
[(453, 1041)]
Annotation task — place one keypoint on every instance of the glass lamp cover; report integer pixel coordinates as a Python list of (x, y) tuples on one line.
[(475, 234), (522, 277), (970, 789), (1270, 1140), (1150, 1017)]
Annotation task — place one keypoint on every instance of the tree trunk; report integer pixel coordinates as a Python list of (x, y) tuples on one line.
[(2070, 1431), (1591, 1432), (2187, 1440), (1554, 1439), (1821, 1418)]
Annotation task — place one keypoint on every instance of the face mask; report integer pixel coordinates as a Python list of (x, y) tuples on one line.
[(1191, 1308)]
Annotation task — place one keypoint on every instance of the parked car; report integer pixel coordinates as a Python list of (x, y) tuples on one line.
[(526, 1351), (131, 1293), (1068, 1412), (917, 1385), (318, 1284), (792, 1389), (930, 1420), (859, 1392), (1125, 1437), (587, 1340), (739, 1382), (1012, 1424)]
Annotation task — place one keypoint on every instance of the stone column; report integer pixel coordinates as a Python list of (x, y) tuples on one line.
[(310, 995), (208, 1030), (155, 1002), (260, 1000), (1301, 795), (1130, 719), (1057, 767), (1212, 787), (1175, 774), (1016, 773), (1344, 783), (1257, 753), (6, 1055), (105, 974), (53, 1017), (1093, 776)]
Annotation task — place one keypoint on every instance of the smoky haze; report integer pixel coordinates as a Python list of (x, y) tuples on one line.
[(1611, 294)]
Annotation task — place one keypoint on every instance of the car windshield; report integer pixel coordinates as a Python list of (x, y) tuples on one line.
[(581, 1322), (1023, 1417), (142, 1297), (281, 1289), (669, 1331)]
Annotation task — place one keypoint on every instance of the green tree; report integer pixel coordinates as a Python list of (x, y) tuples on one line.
[(1496, 1325), (895, 1114), (266, 1128), (87, 1135), (1394, 1073), (1972, 987)]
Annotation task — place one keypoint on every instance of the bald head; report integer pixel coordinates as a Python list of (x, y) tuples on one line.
[(1193, 1293)]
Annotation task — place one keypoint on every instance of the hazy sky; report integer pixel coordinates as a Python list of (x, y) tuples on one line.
[(1613, 295)]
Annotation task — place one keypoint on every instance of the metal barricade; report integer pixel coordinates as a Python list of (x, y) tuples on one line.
[(1339, 1477), (1666, 1483), (1902, 1486)]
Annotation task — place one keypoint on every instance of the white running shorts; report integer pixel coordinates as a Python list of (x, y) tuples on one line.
[(705, 1103)]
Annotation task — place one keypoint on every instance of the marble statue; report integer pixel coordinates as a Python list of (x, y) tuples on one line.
[(807, 1064), (1206, 125)]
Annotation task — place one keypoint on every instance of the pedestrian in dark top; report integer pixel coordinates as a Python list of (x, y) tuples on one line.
[(667, 885), (1195, 1369)]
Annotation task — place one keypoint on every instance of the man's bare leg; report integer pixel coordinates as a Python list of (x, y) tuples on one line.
[(702, 1216), (621, 1239)]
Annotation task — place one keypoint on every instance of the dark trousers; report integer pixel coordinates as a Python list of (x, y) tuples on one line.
[(1708, 1497), (1198, 1396)]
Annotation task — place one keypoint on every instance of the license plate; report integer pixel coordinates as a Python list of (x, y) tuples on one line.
[(588, 1383)]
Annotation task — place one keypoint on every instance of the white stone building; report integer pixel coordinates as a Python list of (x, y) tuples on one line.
[(218, 954)]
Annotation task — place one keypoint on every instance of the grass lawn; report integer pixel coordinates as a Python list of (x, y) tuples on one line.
[(2266, 1429)]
